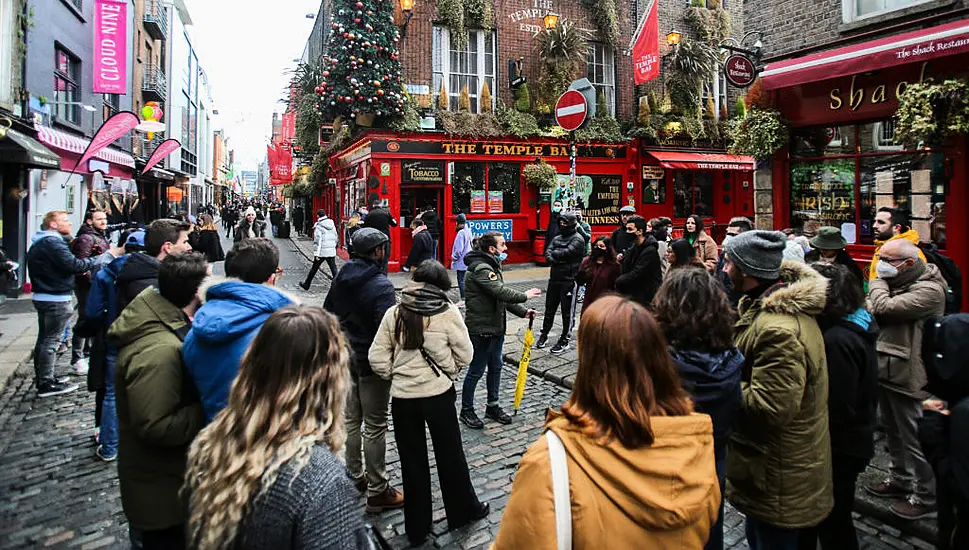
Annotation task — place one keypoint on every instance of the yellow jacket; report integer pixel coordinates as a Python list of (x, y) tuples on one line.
[(911, 235), (664, 496)]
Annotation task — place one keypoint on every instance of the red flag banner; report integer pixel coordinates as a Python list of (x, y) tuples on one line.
[(164, 149), (282, 173), (646, 50), (112, 129)]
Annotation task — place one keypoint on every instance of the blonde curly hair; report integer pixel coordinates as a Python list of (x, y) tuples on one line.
[(288, 397)]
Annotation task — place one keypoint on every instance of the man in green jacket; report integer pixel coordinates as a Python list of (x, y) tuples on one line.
[(487, 300), (779, 459), (159, 411)]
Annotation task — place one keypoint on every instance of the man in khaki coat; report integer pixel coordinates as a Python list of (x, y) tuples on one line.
[(779, 459), (905, 293)]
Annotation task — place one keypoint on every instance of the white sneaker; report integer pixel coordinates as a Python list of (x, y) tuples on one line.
[(80, 367)]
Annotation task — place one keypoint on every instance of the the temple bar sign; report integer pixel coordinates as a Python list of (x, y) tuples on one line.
[(526, 150)]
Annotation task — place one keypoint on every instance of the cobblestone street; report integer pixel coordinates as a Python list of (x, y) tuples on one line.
[(54, 492)]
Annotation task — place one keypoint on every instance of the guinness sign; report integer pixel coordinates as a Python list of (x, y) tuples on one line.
[(422, 171)]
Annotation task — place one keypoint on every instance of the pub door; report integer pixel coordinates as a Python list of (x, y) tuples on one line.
[(413, 202)]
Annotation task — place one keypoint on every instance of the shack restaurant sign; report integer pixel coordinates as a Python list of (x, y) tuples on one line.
[(739, 70)]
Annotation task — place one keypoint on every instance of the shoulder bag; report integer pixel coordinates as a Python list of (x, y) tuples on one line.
[(560, 491)]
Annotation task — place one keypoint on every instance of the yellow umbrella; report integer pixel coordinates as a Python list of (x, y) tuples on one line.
[(523, 364)]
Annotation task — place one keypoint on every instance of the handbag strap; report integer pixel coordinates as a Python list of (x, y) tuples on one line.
[(560, 491)]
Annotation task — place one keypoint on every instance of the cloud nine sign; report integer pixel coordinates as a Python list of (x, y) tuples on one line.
[(739, 70), (110, 47)]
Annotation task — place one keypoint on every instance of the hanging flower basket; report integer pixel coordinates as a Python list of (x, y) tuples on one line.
[(931, 112), (760, 135), (541, 174)]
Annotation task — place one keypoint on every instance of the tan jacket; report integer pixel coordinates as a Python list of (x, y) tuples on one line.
[(664, 496), (901, 314), (446, 341), (705, 250)]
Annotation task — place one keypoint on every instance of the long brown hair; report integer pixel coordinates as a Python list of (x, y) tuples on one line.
[(288, 398), (625, 374)]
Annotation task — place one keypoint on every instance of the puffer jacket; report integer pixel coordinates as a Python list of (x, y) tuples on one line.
[(51, 265), (324, 238), (779, 458), (566, 251), (901, 306), (487, 297), (705, 250), (446, 341)]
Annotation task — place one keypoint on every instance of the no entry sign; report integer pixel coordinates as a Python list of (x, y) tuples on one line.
[(571, 110)]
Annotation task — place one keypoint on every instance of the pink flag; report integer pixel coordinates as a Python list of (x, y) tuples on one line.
[(112, 129), (164, 149), (110, 47), (646, 50)]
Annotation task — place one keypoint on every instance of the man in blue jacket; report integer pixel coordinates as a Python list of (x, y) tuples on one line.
[(360, 296), (234, 311), (52, 268)]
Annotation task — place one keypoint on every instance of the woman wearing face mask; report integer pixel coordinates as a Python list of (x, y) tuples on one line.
[(599, 271), (828, 246), (704, 247)]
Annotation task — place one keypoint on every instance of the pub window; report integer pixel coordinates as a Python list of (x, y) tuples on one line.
[(915, 182), (853, 10), (824, 141), (503, 187), (692, 193), (467, 182), (480, 188), (67, 77), (601, 71), (457, 67), (823, 190), (883, 136)]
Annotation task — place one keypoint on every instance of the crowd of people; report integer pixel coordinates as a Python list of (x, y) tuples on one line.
[(748, 375)]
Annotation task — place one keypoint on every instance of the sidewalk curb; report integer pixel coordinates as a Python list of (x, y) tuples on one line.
[(16, 354)]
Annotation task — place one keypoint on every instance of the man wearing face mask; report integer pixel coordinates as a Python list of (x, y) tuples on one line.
[(642, 272), (906, 292), (891, 224), (621, 240), (487, 299), (553, 223), (564, 254)]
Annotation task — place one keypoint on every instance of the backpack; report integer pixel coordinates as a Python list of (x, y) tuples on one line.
[(951, 274), (945, 354)]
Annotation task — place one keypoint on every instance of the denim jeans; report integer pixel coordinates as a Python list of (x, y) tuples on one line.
[(461, 273), (764, 536), (368, 408), (487, 354), (108, 437), (52, 319)]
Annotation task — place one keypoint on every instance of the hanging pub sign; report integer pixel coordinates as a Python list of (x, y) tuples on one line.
[(422, 171), (739, 70)]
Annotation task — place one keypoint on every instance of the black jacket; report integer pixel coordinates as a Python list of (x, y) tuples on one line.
[(422, 249), (621, 240), (842, 258), (242, 230), (359, 297), (380, 219), (565, 252), (210, 244), (139, 273), (552, 230), (852, 386), (642, 272), (433, 223), (52, 266)]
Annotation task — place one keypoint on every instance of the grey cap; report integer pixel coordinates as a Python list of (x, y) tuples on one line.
[(758, 253), (367, 239), (627, 210)]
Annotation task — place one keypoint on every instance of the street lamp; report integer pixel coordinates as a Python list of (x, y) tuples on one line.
[(551, 20), (672, 38), (406, 6)]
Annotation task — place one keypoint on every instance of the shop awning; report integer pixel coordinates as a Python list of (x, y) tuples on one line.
[(19, 148), (910, 47), (76, 144), (676, 160)]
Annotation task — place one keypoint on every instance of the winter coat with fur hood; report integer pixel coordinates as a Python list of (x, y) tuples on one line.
[(779, 459)]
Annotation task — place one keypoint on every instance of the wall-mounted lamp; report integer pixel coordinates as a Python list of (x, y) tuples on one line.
[(672, 38), (551, 20), (406, 6)]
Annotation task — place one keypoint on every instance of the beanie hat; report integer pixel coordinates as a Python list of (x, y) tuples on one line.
[(367, 239), (794, 252), (758, 253), (462, 218), (250, 210)]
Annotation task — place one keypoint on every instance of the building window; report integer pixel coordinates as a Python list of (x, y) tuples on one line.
[(8, 31), (480, 188), (692, 194), (79, 4), (853, 10), (112, 104), (469, 66), (67, 76), (601, 71)]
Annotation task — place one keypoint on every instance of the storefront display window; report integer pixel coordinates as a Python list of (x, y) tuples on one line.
[(486, 188), (467, 179), (692, 193), (915, 182), (504, 182), (824, 141), (823, 190)]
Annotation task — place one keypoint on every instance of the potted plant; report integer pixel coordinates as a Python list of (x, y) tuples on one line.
[(760, 135), (930, 112), (540, 174)]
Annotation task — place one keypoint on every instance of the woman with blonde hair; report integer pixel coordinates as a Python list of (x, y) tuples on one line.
[(264, 473), (208, 240), (353, 224), (626, 463)]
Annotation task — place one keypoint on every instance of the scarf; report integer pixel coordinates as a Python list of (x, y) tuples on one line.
[(424, 299)]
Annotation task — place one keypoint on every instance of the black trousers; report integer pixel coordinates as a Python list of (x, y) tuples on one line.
[(317, 262), (837, 531), (559, 295), (460, 501), (172, 538)]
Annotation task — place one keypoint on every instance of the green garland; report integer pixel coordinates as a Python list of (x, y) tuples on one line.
[(930, 112), (606, 18), (761, 134), (451, 14)]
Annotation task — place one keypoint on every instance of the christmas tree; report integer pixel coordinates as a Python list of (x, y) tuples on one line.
[(361, 72)]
